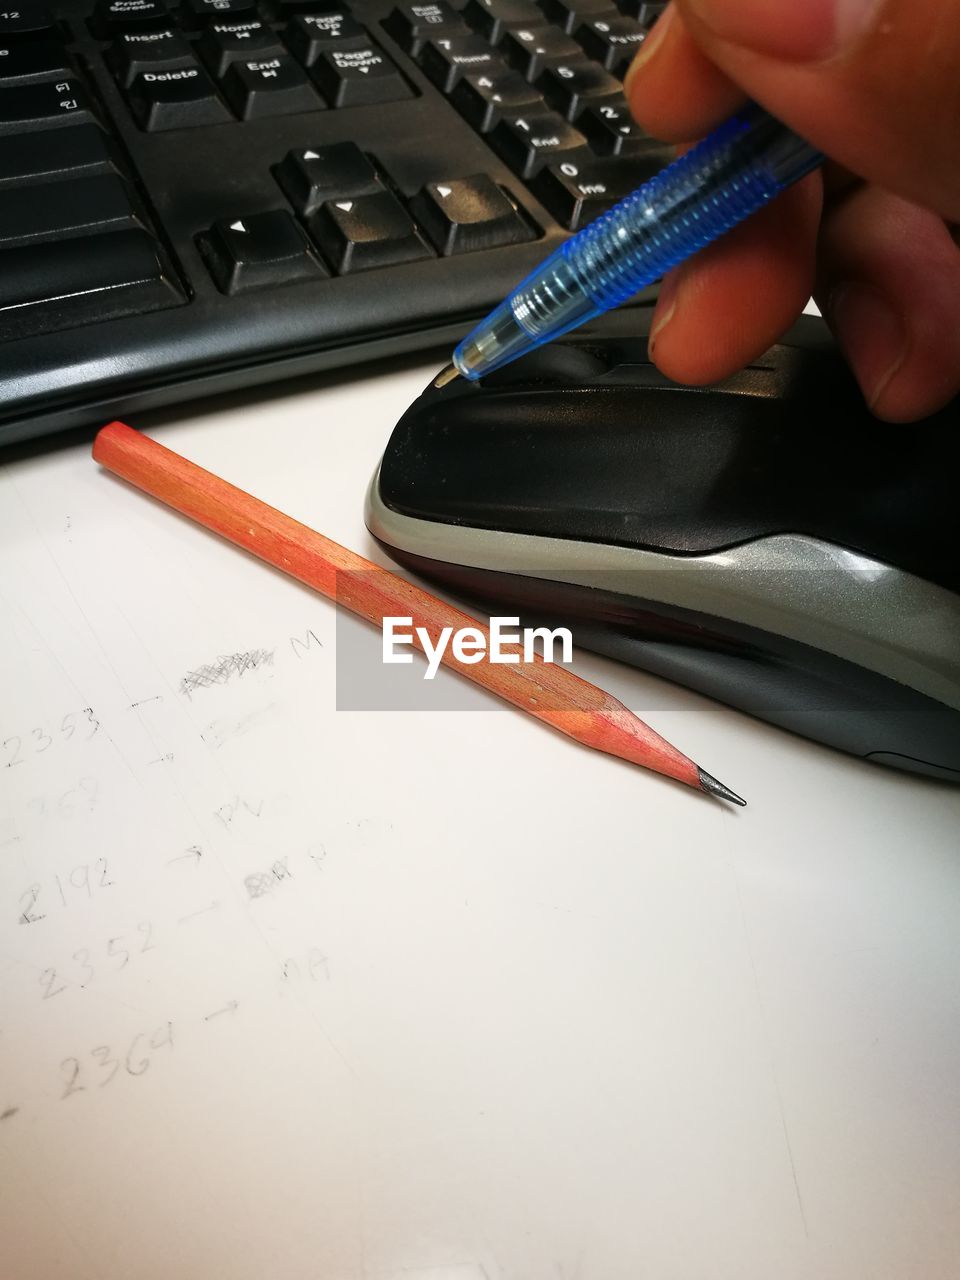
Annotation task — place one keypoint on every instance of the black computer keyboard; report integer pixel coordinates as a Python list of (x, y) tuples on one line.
[(214, 193)]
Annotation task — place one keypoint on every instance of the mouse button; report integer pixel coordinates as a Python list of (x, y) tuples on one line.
[(910, 764), (557, 362)]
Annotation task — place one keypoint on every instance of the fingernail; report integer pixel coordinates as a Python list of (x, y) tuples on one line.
[(649, 47), (795, 30), (871, 333), (666, 308)]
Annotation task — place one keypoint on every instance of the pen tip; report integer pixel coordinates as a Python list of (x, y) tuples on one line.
[(710, 784), (446, 375)]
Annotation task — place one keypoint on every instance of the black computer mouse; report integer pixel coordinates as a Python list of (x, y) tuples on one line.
[(765, 541)]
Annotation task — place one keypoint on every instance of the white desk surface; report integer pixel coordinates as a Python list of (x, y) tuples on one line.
[(316, 995)]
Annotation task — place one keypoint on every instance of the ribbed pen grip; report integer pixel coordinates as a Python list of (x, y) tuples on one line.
[(723, 180)]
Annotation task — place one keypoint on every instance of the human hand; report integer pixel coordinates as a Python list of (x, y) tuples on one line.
[(875, 85)]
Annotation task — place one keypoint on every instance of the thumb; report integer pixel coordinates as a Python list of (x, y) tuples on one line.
[(873, 83)]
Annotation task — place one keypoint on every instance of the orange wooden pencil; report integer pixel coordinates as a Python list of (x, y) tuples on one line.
[(549, 692)]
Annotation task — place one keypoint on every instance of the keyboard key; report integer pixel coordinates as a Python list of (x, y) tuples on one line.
[(64, 208), (124, 15), (445, 60), (54, 153), (612, 42), (269, 87), (612, 131), (570, 87), (575, 192), (367, 231), (532, 49), (527, 143), (412, 25), (494, 18), (642, 10), (311, 176), (138, 51), (25, 19), (119, 267), (198, 13), (256, 251), (175, 100), (354, 77), (570, 14), (223, 43), (41, 105), (30, 60), (464, 215), (482, 99), (310, 34)]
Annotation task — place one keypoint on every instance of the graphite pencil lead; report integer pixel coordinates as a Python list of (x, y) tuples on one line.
[(710, 784)]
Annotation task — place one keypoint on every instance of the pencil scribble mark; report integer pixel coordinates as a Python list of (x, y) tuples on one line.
[(164, 759), (10, 1111), (230, 1007), (300, 647), (224, 669), (211, 906), (157, 697), (218, 731), (193, 852)]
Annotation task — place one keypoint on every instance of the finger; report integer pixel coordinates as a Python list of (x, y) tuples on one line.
[(874, 84), (724, 307), (675, 92), (888, 282)]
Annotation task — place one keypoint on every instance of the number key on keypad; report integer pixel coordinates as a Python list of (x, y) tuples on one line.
[(363, 232), (611, 41), (570, 87), (527, 143), (569, 14), (482, 98), (445, 60), (532, 49), (612, 131)]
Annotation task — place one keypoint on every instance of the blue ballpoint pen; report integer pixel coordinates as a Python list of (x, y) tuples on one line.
[(723, 180)]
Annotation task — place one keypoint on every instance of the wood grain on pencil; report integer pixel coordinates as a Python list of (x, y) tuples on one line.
[(547, 691)]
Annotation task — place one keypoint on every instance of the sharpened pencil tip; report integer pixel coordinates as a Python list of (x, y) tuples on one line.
[(446, 375), (709, 784)]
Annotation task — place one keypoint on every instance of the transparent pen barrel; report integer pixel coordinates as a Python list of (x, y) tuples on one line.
[(717, 184)]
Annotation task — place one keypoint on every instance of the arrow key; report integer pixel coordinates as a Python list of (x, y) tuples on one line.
[(466, 214), (367, 231), (312, 175), (256, 251)]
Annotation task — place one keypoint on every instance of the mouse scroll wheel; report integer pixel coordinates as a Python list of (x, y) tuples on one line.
[(554, 363)]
